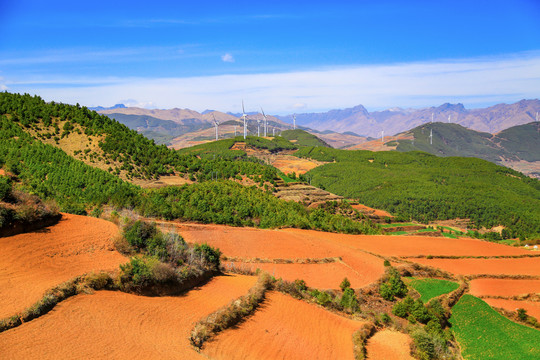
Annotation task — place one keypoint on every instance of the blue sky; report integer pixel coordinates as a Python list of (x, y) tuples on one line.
[(288, 56)]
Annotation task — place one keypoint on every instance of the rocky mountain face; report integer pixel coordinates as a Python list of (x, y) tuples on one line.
[(392, 121)]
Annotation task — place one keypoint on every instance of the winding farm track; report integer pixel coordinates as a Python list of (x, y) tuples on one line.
[(388, 344), (34, 262), (116, 325), (286, 328)]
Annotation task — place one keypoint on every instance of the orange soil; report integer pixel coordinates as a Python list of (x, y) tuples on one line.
[(359, 267), (286, 328), (320, 276), (503, 287), (388, 344), (368, 210), (33, 262), (288, 164), (523, 266), (533, 308), (116, 325)]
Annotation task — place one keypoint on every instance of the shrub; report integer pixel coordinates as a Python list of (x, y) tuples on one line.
[(349, 300), (5, 188), (345, 284), (210, 254), (300, 285), (394, 286), (139, 232), (522, 314), (386, 263)]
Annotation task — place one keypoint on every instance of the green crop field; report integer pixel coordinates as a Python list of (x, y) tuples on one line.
[(485, 334), (430, 288)]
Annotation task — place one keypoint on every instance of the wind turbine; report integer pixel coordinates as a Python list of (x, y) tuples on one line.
[(234, 130), (431, 137), (382, 136), (449, 118), (258, 128), (431, 117), (273, 132), (216, 124), (265, 122), (244, 117), (294, 121)]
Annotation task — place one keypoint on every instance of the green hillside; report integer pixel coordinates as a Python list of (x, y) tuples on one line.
[(516, 143), (47, 171), (303, 138), (424, 187)]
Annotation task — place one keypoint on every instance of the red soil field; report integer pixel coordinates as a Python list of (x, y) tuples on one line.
[(116, 325), (533, 308), (288, 164), (410, 246), (32, 263), (368, 210), (522, 266), (286, 328), (320, 276), (388, 344), (503, 287), (361, 268)]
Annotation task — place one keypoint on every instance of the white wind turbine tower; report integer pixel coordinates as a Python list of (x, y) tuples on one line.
[(431, 137), (258, 128), (294, 121), (265, 124), (244, 116), (382, 136), (449, 118), (216, 124), (273, 132), (431, 117)]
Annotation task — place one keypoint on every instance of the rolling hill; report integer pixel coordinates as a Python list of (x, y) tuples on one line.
[(517, 147)]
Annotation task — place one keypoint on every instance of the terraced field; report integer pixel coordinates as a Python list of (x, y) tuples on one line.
[(33, 262)]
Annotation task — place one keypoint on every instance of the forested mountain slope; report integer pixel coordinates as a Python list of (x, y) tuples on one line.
[(424, 187)]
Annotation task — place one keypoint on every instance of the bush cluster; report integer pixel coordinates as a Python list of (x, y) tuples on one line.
[(393, 286)]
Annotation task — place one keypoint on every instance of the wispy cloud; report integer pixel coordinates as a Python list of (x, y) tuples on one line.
[(470, 81), (227, 58)]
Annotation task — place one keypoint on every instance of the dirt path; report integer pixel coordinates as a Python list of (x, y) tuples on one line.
[(33, 262), (116, 325), (388, 344), (286, 328)]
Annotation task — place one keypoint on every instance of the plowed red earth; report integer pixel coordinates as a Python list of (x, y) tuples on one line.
[(414, 245), (368, 210), (389, 344), (320, 276), (361, 268), (533, 308), (288, 164), (286, 328), (522, 266), (33, 262), (115, 325), (503, 287)]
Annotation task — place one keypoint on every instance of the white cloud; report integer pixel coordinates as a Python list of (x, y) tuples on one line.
[(473, 82), (227, 58)]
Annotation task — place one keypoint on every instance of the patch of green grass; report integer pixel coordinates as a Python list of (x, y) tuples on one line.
[(450, 235), (430, 288), (508, 242), (485, 334), (426, 230), (397, 233), (397, 225)]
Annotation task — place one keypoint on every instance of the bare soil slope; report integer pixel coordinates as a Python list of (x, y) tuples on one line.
[(250, 245), (33, 262), (523, 266), (115, 325), (286, 328), (503, 287), (388, 344)]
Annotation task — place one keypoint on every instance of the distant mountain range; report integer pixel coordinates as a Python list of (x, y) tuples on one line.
[(392, 121)]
